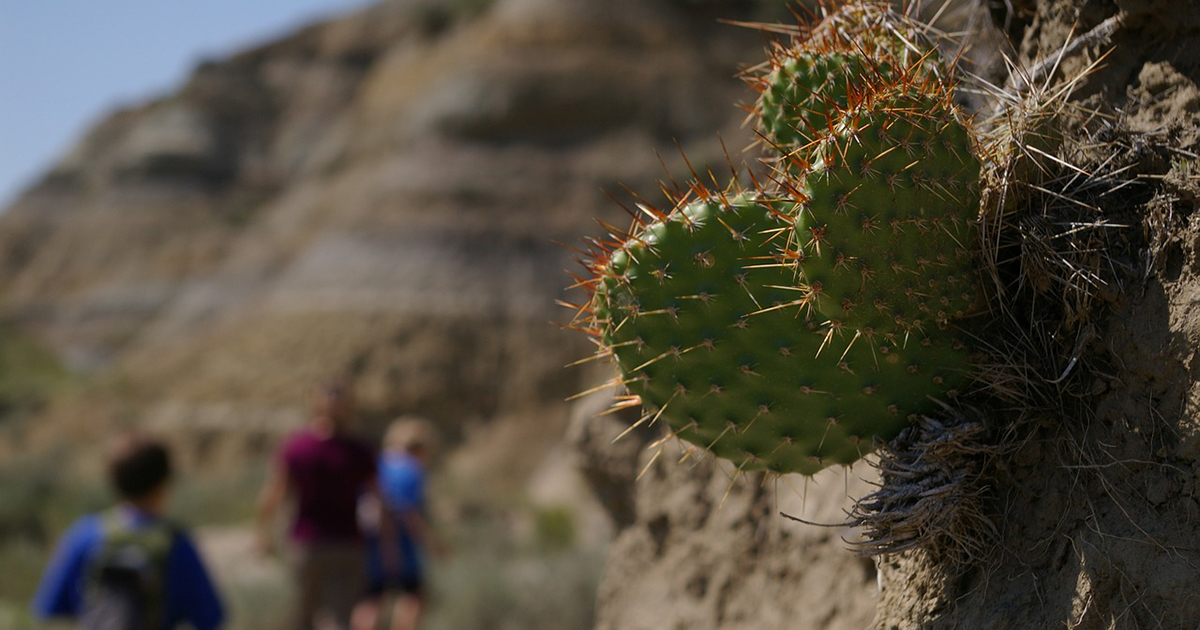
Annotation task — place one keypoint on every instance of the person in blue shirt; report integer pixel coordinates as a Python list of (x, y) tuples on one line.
[(181, 592), (398, 553)]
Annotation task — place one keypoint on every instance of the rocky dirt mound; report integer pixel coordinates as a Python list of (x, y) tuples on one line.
[(1097, 507)]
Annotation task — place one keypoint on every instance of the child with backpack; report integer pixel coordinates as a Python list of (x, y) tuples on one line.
[(129, 568)]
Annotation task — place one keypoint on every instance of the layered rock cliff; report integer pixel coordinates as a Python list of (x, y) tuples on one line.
[(382, 194)]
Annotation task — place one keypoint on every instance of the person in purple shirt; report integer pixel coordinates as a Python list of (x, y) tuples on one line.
[(324, 470), (181, 591)]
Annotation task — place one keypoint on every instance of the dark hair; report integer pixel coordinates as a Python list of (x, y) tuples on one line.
[(138, 466), (337, 389), (334, 403)]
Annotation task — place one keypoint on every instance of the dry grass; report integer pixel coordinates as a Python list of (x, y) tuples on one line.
[(931, 493)]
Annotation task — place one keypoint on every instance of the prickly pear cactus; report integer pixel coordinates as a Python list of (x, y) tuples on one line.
[(789, 327), (716, 338)]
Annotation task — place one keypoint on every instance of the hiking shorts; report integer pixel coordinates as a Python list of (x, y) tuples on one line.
[(330, 577), (408, 585)]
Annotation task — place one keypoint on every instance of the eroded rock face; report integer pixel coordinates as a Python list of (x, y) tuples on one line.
[(700, 545), (709, 549), (1096, 508)]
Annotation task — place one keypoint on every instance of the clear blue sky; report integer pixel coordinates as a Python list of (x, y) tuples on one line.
[(64, 64)]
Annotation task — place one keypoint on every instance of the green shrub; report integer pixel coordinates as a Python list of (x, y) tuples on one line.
[(29, 372)]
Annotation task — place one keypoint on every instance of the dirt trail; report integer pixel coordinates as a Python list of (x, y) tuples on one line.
[(257, 589)]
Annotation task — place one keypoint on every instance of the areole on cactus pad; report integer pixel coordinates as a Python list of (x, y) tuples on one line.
[(789, 326)]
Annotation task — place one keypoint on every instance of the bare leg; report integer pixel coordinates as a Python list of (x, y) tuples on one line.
[(366, 615), (406, 612)]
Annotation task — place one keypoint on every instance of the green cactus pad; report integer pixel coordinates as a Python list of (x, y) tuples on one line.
[(711, 333), (861, 50), (802, 91), (888, 229), (885, 239)]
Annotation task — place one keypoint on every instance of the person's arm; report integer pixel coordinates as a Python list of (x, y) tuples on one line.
[(273, 493), (416, 523), (191, 596), (389, 541), (59, 594)]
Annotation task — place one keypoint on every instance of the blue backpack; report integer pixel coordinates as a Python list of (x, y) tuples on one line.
[(125, 585)]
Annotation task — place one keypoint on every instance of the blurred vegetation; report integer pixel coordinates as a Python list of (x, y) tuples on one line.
[(16, 616), (258, 605), (221, 498), (36, 504), (30, 374), (436, 16), (555, 528), (519, 591), (506, 576), (35, 501)]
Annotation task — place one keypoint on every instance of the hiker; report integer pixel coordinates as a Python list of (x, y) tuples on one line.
[(324, 470), (399, 549), (129, 568)]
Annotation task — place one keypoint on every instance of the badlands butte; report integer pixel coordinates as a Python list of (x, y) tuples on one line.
[(383, 195)]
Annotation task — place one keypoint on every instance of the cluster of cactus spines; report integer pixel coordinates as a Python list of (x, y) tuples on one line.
[(799, 93), (788, 325), (859, 51)]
